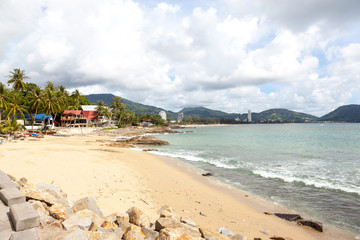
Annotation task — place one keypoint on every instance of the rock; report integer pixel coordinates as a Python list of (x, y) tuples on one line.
[(138, 218), (162, 223), (122, 219), (238, 237), (289, 217), (109, 236), (277, 238), (82, 220), (76, 235), (167, 208), (45, 219), (313, 224), (213, 235), (58, 211), (167, 214), (48, 194), (22, 182), (39, 206), (109, 224), (207, 174), (87, 203), (149, 233), (146, 140), (188, 222), (225, 232), (173, 234), (133, 233)]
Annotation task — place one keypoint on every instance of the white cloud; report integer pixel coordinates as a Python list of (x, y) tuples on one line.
[(166, 55)]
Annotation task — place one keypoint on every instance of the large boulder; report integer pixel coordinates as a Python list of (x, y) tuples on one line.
[(83, 220), (133, 233), (162, 223), (48, 194), (313, 224), (87, 203), (137, 217), (173, 234), (212, 235)]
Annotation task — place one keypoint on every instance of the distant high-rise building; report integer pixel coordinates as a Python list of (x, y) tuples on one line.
[(163, 115), (249, 116), (180, 117)]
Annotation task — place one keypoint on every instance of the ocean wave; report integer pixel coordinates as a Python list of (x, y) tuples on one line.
[(192, 158), (308, 182)]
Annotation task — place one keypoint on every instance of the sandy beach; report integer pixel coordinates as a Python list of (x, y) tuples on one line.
[(119, 178)]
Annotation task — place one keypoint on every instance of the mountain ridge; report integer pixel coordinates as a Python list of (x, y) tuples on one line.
[(346, 113)]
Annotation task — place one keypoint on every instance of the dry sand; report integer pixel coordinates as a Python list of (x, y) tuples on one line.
[(120, 178)]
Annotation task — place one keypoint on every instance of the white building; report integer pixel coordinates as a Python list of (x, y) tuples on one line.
[(180, 117), (163, 115), (249, 116)]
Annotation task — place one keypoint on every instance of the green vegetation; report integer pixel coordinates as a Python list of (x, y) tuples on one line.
[(28, 98), (279, 115), (348, 113)]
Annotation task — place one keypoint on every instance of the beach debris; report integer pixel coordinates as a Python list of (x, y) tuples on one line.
[(225, 232), (87, 203), (267, 213), (313, 224), (137, 217), (263, 232), (202, 214), (289, 217), (207, 174), (257, 239)]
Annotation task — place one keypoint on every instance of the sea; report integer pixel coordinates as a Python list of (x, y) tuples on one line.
[(312, 169)]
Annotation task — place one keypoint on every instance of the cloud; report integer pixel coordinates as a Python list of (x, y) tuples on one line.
[(177, 55)]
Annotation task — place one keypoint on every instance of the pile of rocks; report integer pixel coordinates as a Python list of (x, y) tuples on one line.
[(59, 218)]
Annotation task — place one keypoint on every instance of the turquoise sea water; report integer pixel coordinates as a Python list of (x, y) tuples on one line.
[(313, 169)]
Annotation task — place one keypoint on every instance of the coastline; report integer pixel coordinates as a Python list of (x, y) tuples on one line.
[(120, 178)]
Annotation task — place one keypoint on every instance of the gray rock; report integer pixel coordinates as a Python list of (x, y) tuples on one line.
[(24, 216), (188, 222), (82, 220), (289, 217), (30, 234), (225, 232), (122, 219), (87, 203)]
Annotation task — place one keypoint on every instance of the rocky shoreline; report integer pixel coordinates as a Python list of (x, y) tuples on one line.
[(59, 218)]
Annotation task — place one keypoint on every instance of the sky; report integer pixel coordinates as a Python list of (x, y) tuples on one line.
[(228, 55)]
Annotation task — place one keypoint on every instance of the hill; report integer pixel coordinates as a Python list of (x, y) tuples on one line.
[(202, 112), (282, 115), (347, 113), (138, 108)]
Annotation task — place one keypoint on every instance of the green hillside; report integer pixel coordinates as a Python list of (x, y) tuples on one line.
[(347, 113), (137, 108), (202, 112), (282, 115)]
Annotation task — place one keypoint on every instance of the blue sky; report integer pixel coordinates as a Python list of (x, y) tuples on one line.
[(229, 55)]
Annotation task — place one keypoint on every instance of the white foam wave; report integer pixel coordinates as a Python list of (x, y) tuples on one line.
[(318, 183)]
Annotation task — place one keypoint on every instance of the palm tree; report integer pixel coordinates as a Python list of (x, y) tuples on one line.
[(36, 102), (11, 126), (50, 85), (51, 103), (3, 98), (17, 79), (76, 102), (100, 108), (117, 107), (15, 107)]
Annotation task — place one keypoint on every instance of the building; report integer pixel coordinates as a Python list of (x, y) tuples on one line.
[(39, 121), (180, 117), (163, 115), (249, 116), (86, 117)]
